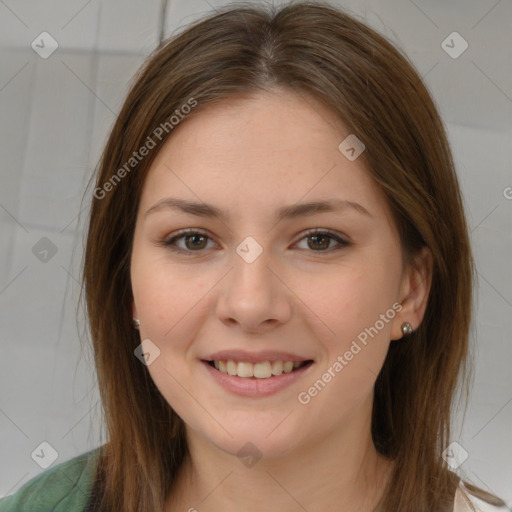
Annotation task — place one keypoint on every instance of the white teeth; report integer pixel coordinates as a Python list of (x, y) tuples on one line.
[(287, 366), (262, 370), (231, 367), (245, 370), (277, 367)]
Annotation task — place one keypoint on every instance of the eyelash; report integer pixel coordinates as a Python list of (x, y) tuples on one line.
[(170, 242)]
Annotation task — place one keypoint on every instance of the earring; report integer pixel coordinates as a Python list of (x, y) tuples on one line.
[(136, 323), (407, 328)]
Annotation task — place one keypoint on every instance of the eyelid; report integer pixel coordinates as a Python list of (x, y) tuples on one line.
[(324, 231)]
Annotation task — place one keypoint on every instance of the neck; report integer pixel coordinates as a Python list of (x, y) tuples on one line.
[(341, 471)]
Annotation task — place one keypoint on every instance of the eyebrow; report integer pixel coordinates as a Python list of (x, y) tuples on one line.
[(285, 212)]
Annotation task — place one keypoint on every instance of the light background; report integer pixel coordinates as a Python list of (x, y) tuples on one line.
[(55, 116)]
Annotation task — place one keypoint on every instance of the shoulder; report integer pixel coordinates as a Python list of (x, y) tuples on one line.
[(64, 487), (465, 501)]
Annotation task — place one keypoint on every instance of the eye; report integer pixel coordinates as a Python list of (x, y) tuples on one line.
[(319, 239), (194, 241)]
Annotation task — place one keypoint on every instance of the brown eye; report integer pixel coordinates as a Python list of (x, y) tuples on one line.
[(320, 241), (194, 241)]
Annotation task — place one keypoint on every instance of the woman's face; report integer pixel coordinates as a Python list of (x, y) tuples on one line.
[(252, 292)]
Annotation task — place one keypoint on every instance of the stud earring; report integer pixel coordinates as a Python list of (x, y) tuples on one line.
[(136, 323), (407, 328)]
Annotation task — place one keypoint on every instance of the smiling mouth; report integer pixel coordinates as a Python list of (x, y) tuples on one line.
[(262, 370)]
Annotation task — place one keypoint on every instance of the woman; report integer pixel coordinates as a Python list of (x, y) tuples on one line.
[(278, 279)]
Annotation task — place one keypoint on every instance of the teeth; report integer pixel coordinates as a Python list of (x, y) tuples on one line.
[(287, 366), (277, 367), (262, 370), (231, 367), (244, 369)]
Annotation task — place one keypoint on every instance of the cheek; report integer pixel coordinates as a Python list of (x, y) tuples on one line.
[(164, 295), (171, 311), (357, 309), (355, 352)]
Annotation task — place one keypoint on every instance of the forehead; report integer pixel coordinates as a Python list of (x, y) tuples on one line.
[(277, 122), (260, 151)]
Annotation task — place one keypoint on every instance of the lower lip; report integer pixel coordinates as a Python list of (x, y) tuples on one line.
[(254, 387)]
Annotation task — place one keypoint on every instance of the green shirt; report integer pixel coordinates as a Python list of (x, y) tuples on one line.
[(65, 487)]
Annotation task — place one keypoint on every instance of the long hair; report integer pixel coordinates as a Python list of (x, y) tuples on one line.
[(320, 52)]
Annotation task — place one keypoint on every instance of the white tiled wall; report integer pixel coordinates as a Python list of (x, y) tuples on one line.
[(55, 115)]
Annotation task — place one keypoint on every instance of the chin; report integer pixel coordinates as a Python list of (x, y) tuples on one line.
[(248, 443)]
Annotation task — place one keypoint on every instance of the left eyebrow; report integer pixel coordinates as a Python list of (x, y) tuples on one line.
[(285, 212)]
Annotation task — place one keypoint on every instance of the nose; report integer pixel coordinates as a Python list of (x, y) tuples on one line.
[(254, 296)]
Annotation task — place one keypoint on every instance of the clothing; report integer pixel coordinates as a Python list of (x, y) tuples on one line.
[(67, 486)]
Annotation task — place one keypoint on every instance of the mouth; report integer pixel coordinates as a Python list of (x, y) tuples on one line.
[(259, 370)]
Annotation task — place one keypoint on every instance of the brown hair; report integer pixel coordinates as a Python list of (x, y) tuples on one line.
[(320, 52)]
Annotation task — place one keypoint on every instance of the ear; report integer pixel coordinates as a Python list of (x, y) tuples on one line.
[(134, 310), (414, 292)]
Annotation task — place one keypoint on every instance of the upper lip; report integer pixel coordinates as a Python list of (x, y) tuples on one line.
[(255, 357)]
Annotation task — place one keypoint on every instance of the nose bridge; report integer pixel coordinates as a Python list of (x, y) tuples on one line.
[(253, 295), (251, 273)]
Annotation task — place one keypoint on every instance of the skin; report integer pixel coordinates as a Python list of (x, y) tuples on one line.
[(250, 156)]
